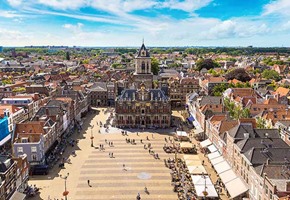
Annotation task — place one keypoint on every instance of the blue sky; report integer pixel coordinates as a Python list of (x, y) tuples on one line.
[(160, 22)]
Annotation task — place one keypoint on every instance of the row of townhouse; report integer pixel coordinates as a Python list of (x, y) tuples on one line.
[(13, 177), (58, 116), (259, 157)]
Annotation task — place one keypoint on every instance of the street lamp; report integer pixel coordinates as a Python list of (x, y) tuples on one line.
[(92, 137), (205, 193), (65, 193)]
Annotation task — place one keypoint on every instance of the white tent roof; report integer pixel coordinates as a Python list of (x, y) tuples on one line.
[(227, 176), (190, 157), (212, 148), (213, 155), (192, 162), (205, 143), (222, 166), (217, 160), (198, 131), (181, 133), (186, 145), (200, 183), (197, 169), (236, 187)]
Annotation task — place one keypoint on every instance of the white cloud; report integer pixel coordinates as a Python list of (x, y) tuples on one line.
[(235, 28), (64, 4), (75, 28), (277, 7), (12, 35), (186, 5), (15, 3), (9, 14)]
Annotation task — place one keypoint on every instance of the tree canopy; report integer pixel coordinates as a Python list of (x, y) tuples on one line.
[(154, 66), (271, 74), (206, 63), (239, 74)]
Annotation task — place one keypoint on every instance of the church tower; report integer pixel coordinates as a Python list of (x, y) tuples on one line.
[(143, 72)]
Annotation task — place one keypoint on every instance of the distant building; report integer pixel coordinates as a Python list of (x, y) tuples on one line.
[(1, 49)]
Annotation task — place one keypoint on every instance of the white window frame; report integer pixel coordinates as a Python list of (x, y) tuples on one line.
[(19, 149), (33, 149)]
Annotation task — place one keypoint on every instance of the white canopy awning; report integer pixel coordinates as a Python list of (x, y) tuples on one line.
[(222, 166), (227, 176), (202, 183), (192, 162), (186, 145), (190, 157), (18, 196), (198, 131), (213, 155), (217, 160), (181, 133), (205, 143), (4, 140), (197, 169), (236, 187), (212, 148)]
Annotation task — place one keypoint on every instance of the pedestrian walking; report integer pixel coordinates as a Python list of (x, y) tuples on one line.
[(112, 144), (112, 155), (149, 151), (202, 162), (106, 140), (89, 183), (137, 134), (141, 141)]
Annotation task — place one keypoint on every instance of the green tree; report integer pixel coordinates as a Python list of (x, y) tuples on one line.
[(236, 111), (219, 89), (154, 66), (206, 63), (261, 123), (239, 74), (67, 55), (271, 74)]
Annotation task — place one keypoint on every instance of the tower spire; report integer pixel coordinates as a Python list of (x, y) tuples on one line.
[(142, 40)]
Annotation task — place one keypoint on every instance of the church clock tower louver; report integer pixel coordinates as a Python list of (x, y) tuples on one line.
[(143, 72)]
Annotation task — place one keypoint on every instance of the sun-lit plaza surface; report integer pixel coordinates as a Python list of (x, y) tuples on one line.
[(108, 178)]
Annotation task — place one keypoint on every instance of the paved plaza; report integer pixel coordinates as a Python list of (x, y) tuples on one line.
[(121, 176), (108, 178)]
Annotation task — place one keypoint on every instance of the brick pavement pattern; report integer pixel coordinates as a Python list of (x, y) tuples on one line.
[(110, 180)]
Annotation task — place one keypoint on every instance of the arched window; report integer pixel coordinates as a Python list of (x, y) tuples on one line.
[(143, 67)]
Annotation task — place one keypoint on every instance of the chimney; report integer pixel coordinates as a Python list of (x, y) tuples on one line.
[(133, 96), (37, 117), (268, 161), (151, 96)]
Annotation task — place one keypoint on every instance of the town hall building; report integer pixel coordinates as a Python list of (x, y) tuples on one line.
[(141, 106)]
